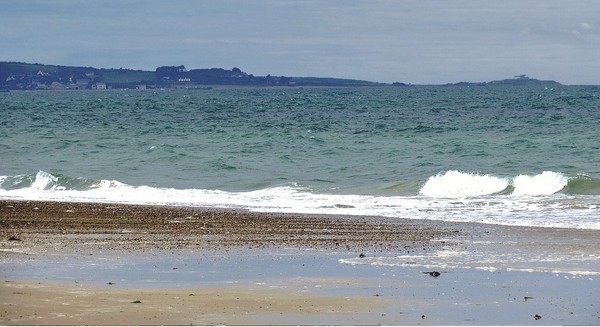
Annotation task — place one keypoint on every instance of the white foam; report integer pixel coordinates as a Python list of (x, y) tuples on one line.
[(545, 183), (460, 184), (456, 184), (553, 210), (43, 180)]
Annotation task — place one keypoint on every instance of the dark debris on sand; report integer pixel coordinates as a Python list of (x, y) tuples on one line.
[(139, 227)]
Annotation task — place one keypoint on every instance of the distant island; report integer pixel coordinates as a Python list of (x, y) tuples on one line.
[(25, 76), (519, 80)]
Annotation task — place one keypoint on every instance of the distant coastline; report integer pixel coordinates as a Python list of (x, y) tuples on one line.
[(26, 76)]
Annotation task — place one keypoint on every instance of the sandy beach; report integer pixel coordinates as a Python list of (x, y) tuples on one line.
[(88, 264)]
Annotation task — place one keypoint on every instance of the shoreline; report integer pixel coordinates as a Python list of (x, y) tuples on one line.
[(134, 227), (87, 263)]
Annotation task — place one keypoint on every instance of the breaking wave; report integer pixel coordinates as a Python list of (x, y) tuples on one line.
[(46, 181), (449, 184), (453, 184), (547, 199)]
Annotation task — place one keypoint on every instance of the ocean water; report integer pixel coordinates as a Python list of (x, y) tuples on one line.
[(501, 155)]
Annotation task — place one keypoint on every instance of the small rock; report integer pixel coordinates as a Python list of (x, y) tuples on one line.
[(137, 301), (362, 255), (14, 239), (110, 283), (432, 273), (537, 317)]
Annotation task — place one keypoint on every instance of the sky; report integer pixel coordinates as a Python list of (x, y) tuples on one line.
[(412, 41)]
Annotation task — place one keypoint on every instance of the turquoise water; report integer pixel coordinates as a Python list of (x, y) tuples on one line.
[(509, 155)]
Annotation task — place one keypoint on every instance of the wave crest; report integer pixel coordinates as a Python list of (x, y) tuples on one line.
[(454, 183), (46, 181), (437, 199), (449, 184), (460, 184), (545, 183)]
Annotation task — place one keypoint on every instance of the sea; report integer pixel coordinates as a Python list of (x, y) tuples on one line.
[(509, 155)]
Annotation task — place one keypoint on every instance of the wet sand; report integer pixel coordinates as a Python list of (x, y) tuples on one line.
[(134, 227), (36, 303), (73, 263)]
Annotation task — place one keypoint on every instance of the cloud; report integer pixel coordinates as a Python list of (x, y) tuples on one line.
[(385, 40)]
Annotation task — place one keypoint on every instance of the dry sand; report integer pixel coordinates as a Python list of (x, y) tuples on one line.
[(74, 263)]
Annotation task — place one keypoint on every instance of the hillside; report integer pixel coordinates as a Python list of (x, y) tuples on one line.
[(24, 76), (520, 80)]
